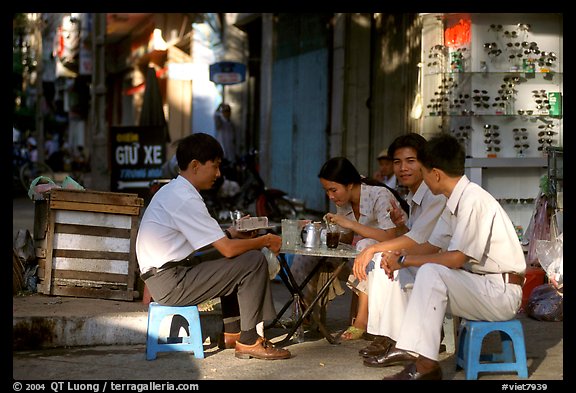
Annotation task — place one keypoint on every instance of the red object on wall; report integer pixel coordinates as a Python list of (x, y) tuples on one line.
[(458, 35), (534, 276)]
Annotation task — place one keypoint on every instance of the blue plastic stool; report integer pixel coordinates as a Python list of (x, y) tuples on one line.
[(192, 343), (470, 338)]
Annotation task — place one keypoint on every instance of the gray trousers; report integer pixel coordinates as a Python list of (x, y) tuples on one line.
[(242, 283)]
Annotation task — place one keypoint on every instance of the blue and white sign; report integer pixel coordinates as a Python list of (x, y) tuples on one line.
[(227, 73)]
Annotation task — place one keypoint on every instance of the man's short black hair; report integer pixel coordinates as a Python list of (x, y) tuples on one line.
[(412, 139), (198, 146), (444, 152)]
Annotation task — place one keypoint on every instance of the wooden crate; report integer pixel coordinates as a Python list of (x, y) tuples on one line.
[(85, 243)]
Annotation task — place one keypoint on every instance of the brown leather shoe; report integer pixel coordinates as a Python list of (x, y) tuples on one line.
[(378, 347), (228, 340), (410, 373), (262, 349), (393, 357)]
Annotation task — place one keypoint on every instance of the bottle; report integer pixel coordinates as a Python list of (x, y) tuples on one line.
[(298, 335)]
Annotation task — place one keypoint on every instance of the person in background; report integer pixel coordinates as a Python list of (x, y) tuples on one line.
[(362, 208), (173, 246), (385, 172), (472, 265), (425, 210), (225, 131)]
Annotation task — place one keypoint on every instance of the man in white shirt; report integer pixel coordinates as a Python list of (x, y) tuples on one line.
[(174, 231), (472, 263), (425, 209)]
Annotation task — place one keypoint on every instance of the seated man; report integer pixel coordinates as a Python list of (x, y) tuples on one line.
[(472, 263), (176, 223)]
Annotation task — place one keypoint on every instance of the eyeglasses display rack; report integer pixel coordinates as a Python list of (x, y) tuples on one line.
[(495, 82)]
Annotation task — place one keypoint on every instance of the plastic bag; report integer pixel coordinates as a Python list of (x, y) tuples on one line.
[(71, 184), (551, 257), (36, 190), (546, 303)]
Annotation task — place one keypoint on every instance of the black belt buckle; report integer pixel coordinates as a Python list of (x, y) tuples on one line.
[(148, 274)]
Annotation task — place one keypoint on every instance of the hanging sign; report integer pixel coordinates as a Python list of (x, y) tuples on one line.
[(138, 153), (227, 73)]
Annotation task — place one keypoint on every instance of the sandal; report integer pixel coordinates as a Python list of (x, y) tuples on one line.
[(352, 333)]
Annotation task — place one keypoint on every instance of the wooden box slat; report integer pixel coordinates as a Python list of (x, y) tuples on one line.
[(85, 243)]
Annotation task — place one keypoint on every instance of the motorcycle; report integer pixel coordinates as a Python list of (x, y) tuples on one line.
[(251, 195)]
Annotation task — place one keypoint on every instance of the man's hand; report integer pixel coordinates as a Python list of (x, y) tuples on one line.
[(389, 263), (397, 215), (360, 262), (273, 242)]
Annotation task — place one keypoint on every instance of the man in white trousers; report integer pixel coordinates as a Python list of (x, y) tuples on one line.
[(425, 209), (472, 263)]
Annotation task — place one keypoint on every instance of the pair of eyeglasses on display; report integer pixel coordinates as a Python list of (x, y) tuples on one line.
[(495, 52), (517, 130), (546, 140), (521, 146), (489, 141), (510, 34), (493, 148), (523, 26), (525, 112), (547, 133), (518, 138), (513, 79), (543, 106), (495, 27), (545, 126), (489, 134)]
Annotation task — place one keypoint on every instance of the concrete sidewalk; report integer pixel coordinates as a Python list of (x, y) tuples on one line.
[(105, 341)]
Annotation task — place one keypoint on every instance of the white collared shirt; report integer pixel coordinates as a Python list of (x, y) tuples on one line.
[(175, 224), (474, 223), (425, 210)]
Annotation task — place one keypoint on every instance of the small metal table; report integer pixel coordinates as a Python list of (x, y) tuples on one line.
[(343, 251)]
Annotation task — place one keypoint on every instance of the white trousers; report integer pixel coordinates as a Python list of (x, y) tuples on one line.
[(414, 317)]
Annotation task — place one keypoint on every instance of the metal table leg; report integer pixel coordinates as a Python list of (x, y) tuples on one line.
[(313, 304)]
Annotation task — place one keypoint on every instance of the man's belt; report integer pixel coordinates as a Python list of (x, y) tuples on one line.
[(156, 270), (513, 278)]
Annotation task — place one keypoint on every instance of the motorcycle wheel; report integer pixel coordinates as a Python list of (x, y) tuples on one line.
[(29, 171)]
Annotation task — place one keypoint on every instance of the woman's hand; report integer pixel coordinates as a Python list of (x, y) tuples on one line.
[(341, 221)]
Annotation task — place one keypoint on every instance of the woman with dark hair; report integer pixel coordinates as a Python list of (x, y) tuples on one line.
[(365, 208)]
